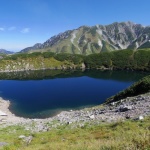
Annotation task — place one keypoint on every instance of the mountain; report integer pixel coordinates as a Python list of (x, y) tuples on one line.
[(3, 51), (87, 40), (36, 46)]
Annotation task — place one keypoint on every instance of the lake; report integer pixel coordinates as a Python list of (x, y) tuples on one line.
[(41, 94)]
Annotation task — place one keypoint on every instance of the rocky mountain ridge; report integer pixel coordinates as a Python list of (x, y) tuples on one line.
[(88, 40)]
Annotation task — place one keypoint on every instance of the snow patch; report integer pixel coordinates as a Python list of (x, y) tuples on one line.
[(100, 43), (72, 39), (73, 36), (137, 44)]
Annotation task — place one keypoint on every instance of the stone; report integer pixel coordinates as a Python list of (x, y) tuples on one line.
[(127, 116), (3, 120), (92, 117), (28, 139), (3, 144), (141, 118), (125, 108), (83, 66), (22, 136), (69, 122)]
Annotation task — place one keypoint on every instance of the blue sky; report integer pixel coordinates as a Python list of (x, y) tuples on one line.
[(26, 22)]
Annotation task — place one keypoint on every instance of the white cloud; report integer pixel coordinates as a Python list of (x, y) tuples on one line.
[(25, 30), (2, 29), (12, 28)]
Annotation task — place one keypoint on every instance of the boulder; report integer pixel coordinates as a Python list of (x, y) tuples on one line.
[(92, 117), (125, 108), (141, 118), (28, 139), (21, 136)]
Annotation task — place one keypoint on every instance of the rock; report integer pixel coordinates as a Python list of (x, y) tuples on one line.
[(127, 116), (69, 122), (3, 120), (113, 103), (125, 108), (28, 139), (3, 144), (83, 66), (22, 136), (141, 118), (92, 117)]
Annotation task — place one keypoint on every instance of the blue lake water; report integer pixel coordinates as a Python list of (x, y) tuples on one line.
[(41, 94)]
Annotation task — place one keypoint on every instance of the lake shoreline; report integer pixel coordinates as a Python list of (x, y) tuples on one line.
[(136, 107), (75, 69)]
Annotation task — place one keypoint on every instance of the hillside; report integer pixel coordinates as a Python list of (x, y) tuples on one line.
[(140, 87), (115, 60), (88, 40), (39, 61)]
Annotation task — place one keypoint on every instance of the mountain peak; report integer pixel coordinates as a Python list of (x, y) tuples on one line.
[(87, 40)]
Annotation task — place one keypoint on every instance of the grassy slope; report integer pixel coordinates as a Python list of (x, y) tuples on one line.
[(114, 136), (30, 63), (37, 61)]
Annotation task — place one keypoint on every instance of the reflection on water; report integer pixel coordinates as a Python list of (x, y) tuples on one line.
[(40, 94)]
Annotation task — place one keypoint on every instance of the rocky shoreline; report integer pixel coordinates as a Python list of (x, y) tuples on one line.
[(137, 107)]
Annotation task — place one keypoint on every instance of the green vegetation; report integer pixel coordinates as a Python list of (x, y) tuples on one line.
[(121, 59), (115, 136), (75, 59), (140, 87), (38, 61)]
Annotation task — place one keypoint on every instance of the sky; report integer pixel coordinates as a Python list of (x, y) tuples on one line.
[(24, 23)]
